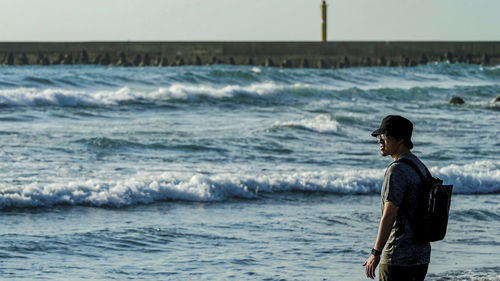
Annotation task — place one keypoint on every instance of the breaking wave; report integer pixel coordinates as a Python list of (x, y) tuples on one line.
[(74, 98), (322, 124), (334, 87), (476, 178), (481, 177)]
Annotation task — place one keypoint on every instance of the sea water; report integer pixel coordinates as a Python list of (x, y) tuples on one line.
[(234, 172)]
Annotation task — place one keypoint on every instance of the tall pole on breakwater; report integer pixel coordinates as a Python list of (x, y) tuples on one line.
[(323, 21)]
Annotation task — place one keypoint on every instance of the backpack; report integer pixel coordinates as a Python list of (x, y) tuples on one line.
[(433, 206)]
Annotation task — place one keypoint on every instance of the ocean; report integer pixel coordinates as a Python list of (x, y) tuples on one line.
[(234, 172)]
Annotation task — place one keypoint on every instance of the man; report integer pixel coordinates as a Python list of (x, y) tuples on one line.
[(400, 256)]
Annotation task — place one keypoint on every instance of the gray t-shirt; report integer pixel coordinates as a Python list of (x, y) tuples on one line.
[(401, 183)]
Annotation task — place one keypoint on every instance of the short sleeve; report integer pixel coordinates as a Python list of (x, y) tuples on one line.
[(395, 182)]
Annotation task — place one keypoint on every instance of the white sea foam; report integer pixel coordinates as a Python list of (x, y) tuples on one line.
[(478, 177), (256, 70), (148, 188), (321, 123), (185, 91), (62, 97)]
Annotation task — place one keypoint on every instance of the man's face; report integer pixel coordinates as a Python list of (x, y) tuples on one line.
[(388, 144)]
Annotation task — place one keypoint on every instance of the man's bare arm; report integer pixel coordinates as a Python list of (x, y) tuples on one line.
[(386, 222), (384, 230)]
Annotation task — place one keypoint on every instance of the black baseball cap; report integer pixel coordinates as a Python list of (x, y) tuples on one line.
[(398, 127)]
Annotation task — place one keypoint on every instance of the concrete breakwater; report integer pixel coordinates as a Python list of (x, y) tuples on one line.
[(280, 54)]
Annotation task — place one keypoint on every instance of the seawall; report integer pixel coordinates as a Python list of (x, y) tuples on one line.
[(282, 54)]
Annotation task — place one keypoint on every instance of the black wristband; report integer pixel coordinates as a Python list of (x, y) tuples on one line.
[(376, 252)]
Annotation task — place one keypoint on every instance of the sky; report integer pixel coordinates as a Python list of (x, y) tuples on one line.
[(248, 20)]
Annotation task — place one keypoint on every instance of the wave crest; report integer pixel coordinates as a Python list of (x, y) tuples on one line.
[(149, 188), (60, 97), (72, 98), (322, 124), (478, 177)]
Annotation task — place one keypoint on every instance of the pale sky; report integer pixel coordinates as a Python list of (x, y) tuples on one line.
[(248, 20)]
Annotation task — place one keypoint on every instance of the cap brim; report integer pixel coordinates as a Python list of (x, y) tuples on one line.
[(377, 132)]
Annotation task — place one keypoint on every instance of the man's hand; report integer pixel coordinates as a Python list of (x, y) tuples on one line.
[(370, 265)]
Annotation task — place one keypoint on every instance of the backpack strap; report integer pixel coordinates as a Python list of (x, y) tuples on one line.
[(415, 167), (423, 179)]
